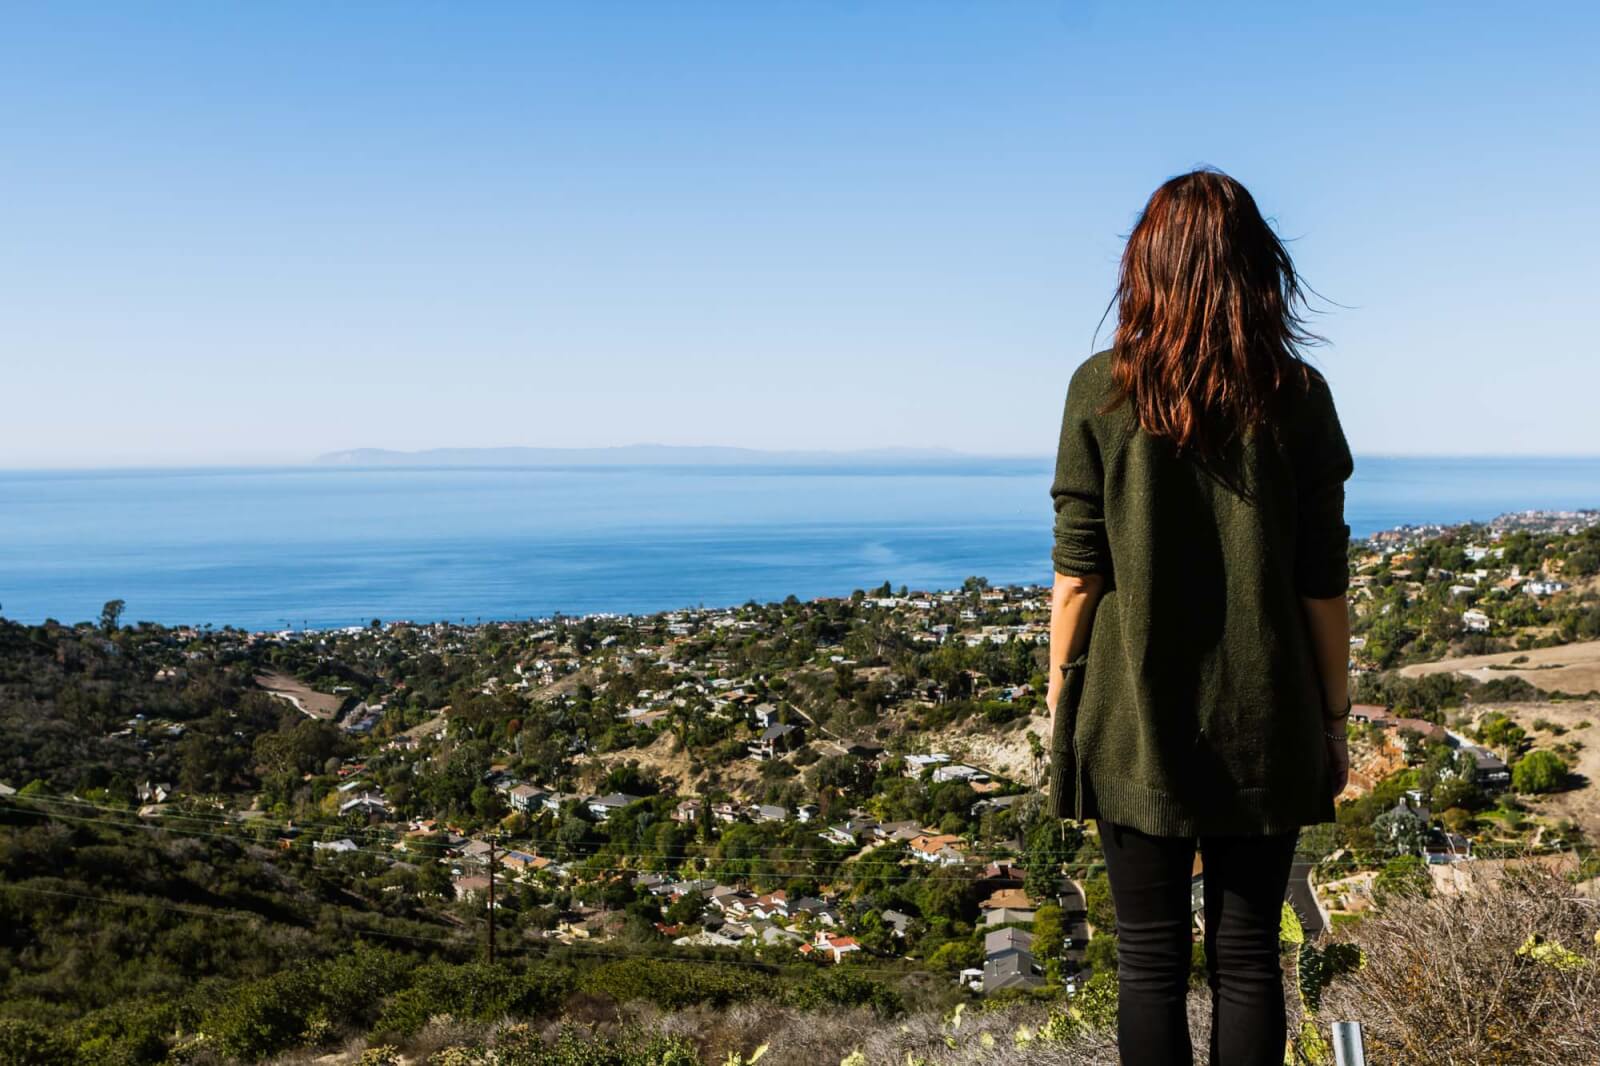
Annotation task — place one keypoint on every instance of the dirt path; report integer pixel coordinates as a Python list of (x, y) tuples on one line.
[(308, 700), (1570, 668)]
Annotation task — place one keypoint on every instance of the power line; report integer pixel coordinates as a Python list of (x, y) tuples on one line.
[(566, 853), (940, 873), (581, 951), (684, 870), (830, 854), (146, 903)]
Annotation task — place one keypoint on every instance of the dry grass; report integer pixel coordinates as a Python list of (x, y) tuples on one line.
[(800, 1038), (321, 705), (1570, 668), (1581, 803), (1443, 983)]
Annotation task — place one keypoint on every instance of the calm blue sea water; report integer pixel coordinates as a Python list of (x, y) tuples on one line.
[(273, 547)]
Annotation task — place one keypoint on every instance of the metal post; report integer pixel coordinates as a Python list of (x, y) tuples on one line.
[(1348, 1048)]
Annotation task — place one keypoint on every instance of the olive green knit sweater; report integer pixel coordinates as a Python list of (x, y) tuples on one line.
[(1200, 709)]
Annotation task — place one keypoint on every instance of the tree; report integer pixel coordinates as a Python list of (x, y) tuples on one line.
[(1101, 954), (1051, 842), (686, 909), (111, 615), (1500, 732), (955, 955), (1458, 792), (1400, 831), (1539, 771), (1049, 940), (433, 879), (1402, 876), (1097, 901)]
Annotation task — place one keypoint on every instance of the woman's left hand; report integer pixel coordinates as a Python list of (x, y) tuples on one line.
[(1338, 758)]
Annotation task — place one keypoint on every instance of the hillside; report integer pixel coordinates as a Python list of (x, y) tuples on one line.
[(814, 812), (1570, 668)]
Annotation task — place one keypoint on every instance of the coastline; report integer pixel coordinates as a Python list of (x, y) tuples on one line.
[(1392, 538), (271, 549)]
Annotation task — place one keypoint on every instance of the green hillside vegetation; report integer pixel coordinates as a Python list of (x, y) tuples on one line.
[(809, 812)]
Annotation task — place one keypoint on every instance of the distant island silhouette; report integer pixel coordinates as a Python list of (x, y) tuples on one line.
[(647, 455)]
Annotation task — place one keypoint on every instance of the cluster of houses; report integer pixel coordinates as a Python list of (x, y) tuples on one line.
[(734, 916), (1009, 958), (928, 845), (1491, 772), (1479, 586)]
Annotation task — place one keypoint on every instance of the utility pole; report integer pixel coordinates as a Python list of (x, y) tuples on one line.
[(491, 898)]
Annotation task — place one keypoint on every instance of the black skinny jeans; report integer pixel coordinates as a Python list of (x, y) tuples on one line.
[(1245, 877)]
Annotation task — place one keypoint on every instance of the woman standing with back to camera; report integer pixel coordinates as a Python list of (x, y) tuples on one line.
[(1199, 639)]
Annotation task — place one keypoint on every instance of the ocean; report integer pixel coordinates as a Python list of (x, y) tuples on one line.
[(273, 548)]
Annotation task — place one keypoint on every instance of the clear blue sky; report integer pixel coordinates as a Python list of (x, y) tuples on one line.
[(256, 232)]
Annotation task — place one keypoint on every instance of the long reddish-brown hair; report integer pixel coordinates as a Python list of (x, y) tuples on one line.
[(1210, 320)]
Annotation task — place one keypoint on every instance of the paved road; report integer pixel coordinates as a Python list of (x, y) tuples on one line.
[(1303, 900)]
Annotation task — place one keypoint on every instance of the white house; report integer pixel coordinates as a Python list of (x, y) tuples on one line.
[(336, 846), (367, 804), (958, 772), (525, 798), (603, 806), (916, 764)]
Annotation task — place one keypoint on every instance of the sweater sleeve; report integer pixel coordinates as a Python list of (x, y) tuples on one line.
[(1322, 539), (1078, 493)]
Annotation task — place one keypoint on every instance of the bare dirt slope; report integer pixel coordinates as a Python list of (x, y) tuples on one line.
[(1581, 804), (309, 700), (1002, 750), (1570, 668), (741, 777)]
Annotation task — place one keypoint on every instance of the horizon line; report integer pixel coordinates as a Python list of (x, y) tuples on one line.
[(933, 457)]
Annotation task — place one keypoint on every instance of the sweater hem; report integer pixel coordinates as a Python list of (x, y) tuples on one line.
[(1249, 812)]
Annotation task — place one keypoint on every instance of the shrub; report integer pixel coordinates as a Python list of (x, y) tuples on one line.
[(841, 988), (1404, 877), (1096, 1001), (406, 1013), (672, 985), (351, 986), (476, 991), (1456, 957), (261, 1018), (575, 1047), (25, 1044), (1539, 771), (132, 1033), (542, 990)]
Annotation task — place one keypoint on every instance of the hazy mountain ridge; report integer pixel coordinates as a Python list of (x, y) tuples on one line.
[(643, 455)]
